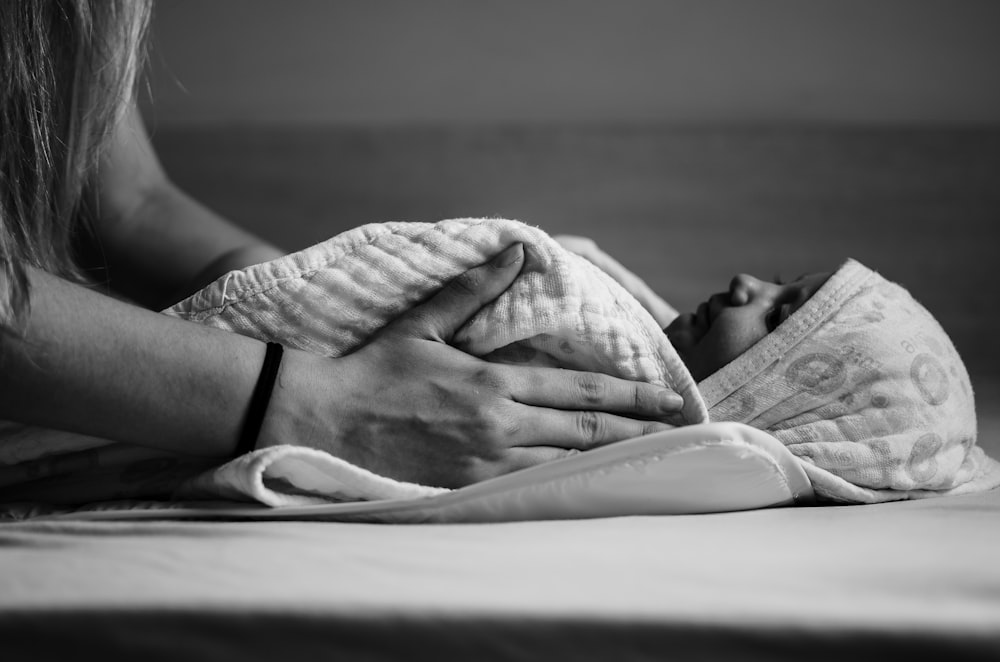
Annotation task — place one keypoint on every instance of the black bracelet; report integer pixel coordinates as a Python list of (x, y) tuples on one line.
[(258, 401)]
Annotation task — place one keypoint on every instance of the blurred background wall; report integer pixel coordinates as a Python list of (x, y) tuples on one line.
[(754, 61), (693, 139)]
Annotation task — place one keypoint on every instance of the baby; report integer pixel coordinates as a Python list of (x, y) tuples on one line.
[(850, 373), (845, 368), (855, 377), (730, 323)]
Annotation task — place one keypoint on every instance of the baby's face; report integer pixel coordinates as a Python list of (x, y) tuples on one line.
[(732, 322)]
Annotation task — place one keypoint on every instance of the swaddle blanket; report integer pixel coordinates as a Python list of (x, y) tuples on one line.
[(863, 385), (330, 298)]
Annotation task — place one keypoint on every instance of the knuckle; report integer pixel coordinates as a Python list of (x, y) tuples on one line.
[(468, 283), (488, 377), (511, 426), (502, 426), (592, 388), (591, 426), (491, 423)]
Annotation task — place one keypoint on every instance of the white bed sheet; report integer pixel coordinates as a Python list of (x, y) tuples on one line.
[(921, 577)]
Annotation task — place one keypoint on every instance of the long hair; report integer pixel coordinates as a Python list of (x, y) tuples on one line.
[(68, 71)]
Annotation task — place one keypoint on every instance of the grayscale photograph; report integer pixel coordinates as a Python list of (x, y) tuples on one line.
[(499, 330)]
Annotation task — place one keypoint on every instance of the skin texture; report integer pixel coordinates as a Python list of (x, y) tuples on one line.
[(730, 323)]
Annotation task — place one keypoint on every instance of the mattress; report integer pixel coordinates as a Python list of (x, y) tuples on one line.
[(921, 577)]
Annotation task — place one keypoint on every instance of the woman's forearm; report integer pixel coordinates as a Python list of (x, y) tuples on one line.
[(90, 364), (232, 260), (159, 243), (171, 246)]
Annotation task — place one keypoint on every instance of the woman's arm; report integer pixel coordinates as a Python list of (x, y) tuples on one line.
[(160, 244), (406, 405), (94, 365)]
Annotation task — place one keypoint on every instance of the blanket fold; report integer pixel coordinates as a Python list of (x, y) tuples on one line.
[(562, 310)]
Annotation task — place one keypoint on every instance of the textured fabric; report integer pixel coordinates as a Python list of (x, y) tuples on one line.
[(861, 383), (330, 298), (866, 389), (297, 476), (561, 311), (661, 311)]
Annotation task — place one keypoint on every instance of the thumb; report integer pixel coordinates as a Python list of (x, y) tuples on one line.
[(443, 314)]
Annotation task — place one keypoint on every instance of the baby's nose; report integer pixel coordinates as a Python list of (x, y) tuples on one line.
[(741, 287)]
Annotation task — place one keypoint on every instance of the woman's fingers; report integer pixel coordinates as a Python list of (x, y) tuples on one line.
[(441, 316), (578, 430), (576, 390)]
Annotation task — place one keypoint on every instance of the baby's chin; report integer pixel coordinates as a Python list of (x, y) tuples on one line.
[(687, 357), (683, 333)]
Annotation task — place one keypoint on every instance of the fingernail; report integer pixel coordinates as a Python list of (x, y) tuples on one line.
[(670, 401), (509, 256)]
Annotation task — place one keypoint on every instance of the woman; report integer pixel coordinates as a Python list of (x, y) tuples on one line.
[(76, 165)]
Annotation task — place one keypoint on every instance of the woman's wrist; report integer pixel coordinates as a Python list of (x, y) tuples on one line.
[(259, 401), (301, 409)]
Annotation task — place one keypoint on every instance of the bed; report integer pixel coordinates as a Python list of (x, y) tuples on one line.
[(917, 578), (914, 579)]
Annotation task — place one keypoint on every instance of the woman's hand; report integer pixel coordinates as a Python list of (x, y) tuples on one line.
[(409, 406)]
